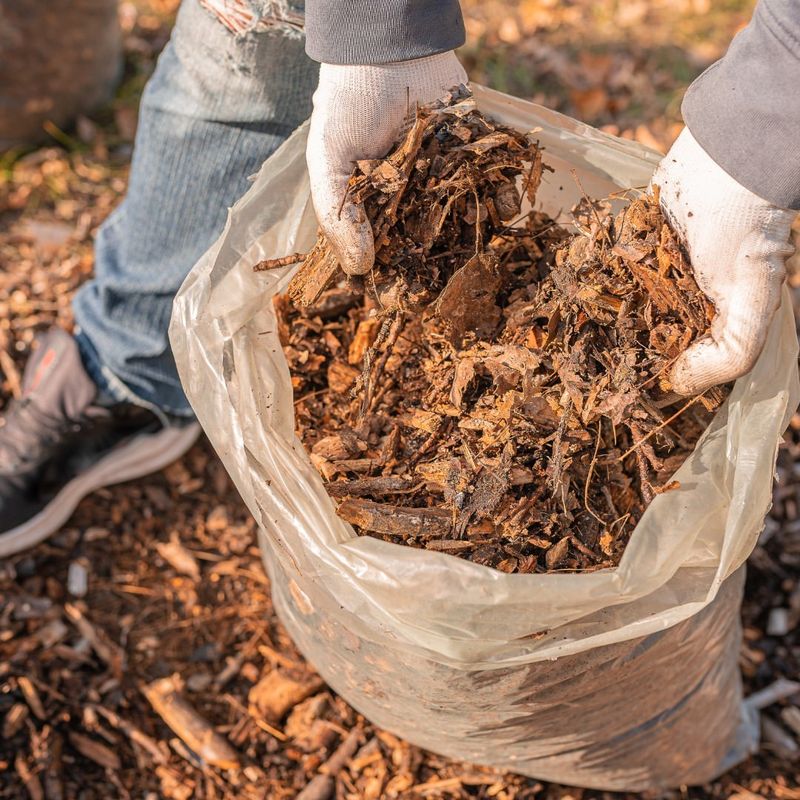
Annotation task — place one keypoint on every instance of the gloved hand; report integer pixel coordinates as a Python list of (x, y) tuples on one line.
[(737, 244), (359, 112)]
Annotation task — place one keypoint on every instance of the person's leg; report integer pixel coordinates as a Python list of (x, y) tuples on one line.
[(216, 107), (107, 408)]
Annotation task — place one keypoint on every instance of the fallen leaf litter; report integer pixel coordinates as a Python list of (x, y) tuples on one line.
[(497, 387)]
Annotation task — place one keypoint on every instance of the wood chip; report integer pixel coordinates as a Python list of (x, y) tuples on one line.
[(175, 554), (31, 696), (280, 690), (94, 750), (193, 729)]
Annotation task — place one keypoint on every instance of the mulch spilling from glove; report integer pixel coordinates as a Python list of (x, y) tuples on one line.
[(496, 388)]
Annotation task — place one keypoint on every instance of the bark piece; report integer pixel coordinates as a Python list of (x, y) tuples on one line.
[(314, 275), (280, 690), (399, 521), (193, 729)]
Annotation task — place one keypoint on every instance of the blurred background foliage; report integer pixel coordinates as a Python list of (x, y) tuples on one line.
[(621, 65)]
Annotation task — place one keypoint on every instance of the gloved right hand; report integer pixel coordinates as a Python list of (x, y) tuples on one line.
[(359, 112), (738, 244)]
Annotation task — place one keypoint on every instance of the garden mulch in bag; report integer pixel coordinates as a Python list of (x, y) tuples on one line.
[(619, 678), (497, 387)]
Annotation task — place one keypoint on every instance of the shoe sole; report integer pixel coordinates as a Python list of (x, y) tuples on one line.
[(141, 456)]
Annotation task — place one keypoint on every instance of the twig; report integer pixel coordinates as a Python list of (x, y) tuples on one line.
[(661, 371), (132, 732), (590, 473), (779, 690), (108, 650), (386, 338), (644, 478), (558, 458), (274, 263), (323, 784), (29, 778), (478, 233), (309, 396), (194, 730), (591, 206), (234, 664), (655, 430)]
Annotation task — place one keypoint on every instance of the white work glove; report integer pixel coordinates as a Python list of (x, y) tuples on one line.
[(737, 244), (359, 112)]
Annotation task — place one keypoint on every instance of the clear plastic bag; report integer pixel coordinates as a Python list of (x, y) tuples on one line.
[(620, 679)]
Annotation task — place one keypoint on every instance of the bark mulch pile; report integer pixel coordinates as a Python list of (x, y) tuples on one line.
[(497, 387)]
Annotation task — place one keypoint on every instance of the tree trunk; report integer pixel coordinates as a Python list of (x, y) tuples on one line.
[(57, 59)]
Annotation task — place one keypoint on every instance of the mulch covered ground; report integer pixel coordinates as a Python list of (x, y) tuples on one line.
[(152, 604)]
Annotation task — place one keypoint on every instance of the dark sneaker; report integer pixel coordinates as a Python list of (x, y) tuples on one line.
[(58, 444)]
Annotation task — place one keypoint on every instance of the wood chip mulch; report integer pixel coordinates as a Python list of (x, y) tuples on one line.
[(497, 387)]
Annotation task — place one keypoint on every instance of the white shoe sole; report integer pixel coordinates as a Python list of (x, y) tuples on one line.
[(143, 455)]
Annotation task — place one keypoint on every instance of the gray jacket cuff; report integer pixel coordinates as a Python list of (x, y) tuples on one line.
[(381, 31), (745, 109)]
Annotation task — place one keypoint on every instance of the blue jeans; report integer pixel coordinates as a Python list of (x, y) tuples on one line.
[(216, 107)]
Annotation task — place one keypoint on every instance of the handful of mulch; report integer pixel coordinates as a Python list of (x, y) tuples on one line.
[(497, 388)]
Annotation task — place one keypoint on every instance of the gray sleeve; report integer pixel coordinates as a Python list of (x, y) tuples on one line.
[(380, 31), (744, 110)]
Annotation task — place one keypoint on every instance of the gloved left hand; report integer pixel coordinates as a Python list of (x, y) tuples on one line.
[(359, 112)]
